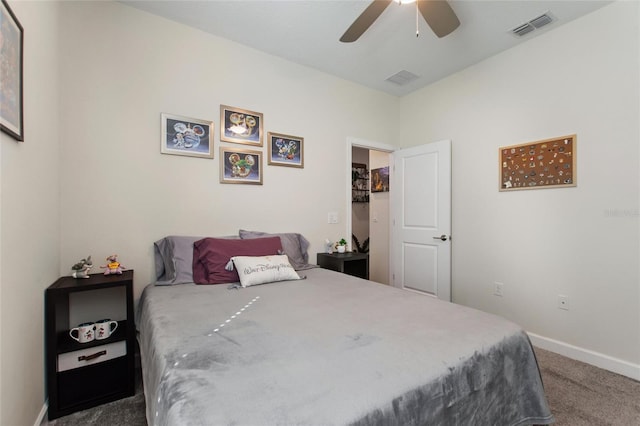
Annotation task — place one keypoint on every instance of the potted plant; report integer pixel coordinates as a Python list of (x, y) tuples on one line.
[(341, 245)]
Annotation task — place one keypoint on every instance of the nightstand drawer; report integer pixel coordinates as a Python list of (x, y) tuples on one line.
[(90, 356)]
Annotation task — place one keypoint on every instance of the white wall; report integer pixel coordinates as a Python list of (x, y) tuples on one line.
[(124, 67), (582, 242), (29, 220), (379, 215)]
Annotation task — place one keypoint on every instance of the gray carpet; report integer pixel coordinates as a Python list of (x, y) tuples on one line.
[(578, 394)]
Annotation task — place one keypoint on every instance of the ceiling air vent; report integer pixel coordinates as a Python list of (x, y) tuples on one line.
[(541, 20), (535, 23), (523, 29), (401, 78)]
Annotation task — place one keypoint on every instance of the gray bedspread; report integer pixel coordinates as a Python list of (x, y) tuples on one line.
[(331, 350)]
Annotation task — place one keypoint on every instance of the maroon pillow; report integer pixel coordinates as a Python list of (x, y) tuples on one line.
[(211, 255)]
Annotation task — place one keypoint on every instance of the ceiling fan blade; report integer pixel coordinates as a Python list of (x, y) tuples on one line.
[(364, 21), (439, 15)]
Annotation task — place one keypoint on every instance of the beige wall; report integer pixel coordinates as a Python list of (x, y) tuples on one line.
[(123, 68), (29, 219), (582, 242)]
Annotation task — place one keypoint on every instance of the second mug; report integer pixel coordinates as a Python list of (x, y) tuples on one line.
[(105, 327)]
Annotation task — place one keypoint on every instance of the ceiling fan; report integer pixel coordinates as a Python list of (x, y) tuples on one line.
[(438, 14)]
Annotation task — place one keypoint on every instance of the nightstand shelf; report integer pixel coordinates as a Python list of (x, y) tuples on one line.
[(356, 264), (83, 375), (66, 344)]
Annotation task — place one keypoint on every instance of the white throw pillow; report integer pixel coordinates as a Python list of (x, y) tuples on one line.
[(254, 270)]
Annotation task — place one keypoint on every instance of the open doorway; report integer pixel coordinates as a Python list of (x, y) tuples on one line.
[(370, 208), (360, 196)]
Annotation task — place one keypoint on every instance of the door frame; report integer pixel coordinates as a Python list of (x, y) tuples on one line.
[(366, 144)]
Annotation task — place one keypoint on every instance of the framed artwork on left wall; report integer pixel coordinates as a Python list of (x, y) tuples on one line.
[(11, 52), (186, 136)]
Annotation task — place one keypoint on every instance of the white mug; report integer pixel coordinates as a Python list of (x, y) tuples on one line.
[(105, 327), (85, 332)]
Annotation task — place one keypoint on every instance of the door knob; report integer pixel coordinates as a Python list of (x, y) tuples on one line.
[(441, 237)]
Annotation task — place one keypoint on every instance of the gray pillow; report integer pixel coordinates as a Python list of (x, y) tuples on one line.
[(174, 259), (294, 245)]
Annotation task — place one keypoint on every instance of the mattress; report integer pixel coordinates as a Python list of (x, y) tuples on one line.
[(331, 350)]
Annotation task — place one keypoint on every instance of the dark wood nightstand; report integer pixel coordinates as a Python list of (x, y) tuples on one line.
[(83, 375), (356, 264)]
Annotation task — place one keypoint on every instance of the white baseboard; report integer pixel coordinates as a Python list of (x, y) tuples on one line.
[(597, 359), (41, 420)]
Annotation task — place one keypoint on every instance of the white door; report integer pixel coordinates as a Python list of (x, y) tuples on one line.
[(421, 219)]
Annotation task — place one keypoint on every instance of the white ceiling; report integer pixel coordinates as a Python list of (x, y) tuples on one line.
[(307, 32)]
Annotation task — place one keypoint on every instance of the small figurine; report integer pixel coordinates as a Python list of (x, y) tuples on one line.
[(113, 267), (82, 268)]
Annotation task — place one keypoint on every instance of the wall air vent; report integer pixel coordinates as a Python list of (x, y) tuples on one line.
[(402, 77), (535, 23)]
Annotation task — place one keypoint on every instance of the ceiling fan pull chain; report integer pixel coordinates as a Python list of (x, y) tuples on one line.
[(417, 21)]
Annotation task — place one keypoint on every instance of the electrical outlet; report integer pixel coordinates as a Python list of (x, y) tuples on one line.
[(332, 217), (563, 302), (498, 289)]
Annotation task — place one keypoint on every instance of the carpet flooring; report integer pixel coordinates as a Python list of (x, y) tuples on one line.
[(578, 394)]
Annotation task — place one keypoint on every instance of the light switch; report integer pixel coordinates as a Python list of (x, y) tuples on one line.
[(332, 217)]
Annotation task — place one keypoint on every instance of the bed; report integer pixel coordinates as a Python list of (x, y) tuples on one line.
[(330, 349)]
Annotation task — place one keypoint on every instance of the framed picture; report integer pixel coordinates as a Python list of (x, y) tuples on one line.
[(240, 166), (186, 136), (11, 49), (380, 179), (285, 150), (240, 126), (549, 163)]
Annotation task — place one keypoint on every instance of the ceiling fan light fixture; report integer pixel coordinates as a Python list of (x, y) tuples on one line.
[(437, 13)]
